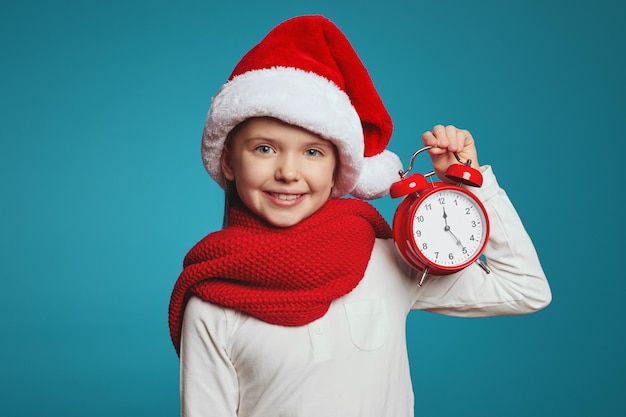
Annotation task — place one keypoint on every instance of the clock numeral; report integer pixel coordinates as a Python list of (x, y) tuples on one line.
[(420, 219), (451, 256), (424, 246), (474, 223), (472, 237), (418, 233), (467, 210), (442, 200), (436, 255), (428, 207)]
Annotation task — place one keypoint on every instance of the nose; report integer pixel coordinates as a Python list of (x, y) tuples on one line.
[(287, 169)]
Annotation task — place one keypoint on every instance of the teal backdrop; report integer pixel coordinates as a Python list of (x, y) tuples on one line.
[(102, 189)]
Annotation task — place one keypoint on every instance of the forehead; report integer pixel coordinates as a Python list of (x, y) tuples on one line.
[(273, 129)]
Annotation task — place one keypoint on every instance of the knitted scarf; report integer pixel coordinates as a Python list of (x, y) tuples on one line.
[(285, 276)]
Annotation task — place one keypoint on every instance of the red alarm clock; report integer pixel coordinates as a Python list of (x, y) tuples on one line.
[(440, 228)]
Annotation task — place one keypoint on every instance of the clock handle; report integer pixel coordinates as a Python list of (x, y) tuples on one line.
[(410, 167), (461, 173)]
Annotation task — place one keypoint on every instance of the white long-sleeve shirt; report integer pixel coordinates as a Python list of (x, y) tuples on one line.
[(353, 361)]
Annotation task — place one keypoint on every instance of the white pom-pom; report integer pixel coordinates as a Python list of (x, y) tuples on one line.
[(377, 175)]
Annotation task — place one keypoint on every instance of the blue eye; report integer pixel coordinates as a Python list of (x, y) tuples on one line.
[(265, 149), (313, 152)]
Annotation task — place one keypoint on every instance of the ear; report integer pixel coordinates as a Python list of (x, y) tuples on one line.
[(227, 169)]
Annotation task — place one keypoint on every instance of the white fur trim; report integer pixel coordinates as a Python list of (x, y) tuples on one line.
[(297, 97), (379, 172)]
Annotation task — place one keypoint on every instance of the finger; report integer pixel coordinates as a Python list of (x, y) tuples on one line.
[(442, 138), (433, 150), (455, 141), (428, 139), (468, 140)]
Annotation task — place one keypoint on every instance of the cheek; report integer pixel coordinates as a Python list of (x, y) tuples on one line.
[(245, 178), (250, 172), (325, 177)]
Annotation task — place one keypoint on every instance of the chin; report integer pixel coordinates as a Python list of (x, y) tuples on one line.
[(283, 223)]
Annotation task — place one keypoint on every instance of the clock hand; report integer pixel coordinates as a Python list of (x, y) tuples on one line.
[(447, 229), (458, 241)]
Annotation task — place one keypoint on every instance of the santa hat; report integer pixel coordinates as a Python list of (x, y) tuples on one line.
[(306, 73)]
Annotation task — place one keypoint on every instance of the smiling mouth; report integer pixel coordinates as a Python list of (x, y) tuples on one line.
[(286, 197)]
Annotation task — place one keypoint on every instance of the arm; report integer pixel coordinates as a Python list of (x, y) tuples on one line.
[(516, 284), (208, 380)]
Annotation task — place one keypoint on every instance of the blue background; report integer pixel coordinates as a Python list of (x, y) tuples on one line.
[(103, 191)]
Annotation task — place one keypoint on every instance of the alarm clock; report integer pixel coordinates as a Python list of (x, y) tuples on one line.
[(440, 228)]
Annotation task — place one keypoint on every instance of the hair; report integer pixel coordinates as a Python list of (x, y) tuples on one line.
[(231, 195)]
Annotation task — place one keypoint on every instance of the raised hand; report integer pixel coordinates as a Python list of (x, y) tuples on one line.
[(447, 140)]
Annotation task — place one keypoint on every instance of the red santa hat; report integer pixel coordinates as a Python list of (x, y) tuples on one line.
[(306, 73)]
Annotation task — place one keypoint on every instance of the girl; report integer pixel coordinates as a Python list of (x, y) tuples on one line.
[(298, 306)]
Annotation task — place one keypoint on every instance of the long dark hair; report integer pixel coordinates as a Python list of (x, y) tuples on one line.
[(231, 195)]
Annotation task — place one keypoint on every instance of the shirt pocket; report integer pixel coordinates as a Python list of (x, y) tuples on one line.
[(368, 322)]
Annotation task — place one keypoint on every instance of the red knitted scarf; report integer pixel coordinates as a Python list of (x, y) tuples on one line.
[(285, 276)]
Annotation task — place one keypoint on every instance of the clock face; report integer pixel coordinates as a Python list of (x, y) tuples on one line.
[(449, 228)]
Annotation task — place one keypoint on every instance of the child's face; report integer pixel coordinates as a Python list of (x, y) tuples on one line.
[(282, 173)]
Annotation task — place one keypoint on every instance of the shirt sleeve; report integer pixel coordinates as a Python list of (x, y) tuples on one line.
[(208, 381), (516, 283)]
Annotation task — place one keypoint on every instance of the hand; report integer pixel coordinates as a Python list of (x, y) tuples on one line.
[(447, 141)]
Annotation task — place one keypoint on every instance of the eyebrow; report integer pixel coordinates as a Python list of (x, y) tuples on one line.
[(320, 142), (313, 142)]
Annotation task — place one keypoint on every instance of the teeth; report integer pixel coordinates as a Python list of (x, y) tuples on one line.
[(286, 196)]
